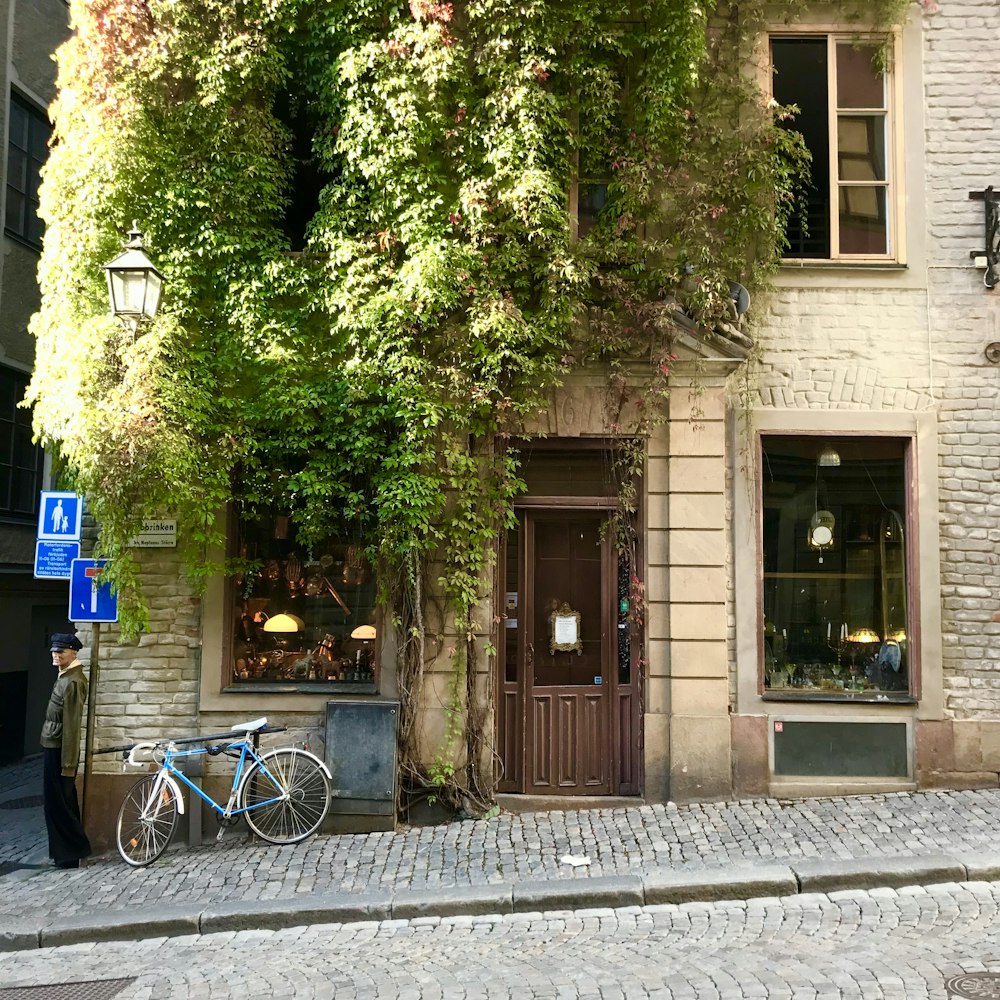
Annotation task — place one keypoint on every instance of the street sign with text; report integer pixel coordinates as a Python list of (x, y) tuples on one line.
[(52, 559)]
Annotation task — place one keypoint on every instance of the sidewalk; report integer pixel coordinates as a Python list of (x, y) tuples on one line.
[(638, 855)]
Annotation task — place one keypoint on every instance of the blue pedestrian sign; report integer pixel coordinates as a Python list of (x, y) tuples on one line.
[(59, 517), (89, 599), (52, 559)]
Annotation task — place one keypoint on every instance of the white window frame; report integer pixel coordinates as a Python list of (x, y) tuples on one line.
[(895, 198)]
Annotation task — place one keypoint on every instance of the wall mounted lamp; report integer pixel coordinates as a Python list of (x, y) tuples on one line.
[(134, 283), (990, 257)]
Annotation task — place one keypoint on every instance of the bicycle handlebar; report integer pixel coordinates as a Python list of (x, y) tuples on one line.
[(126, 747)]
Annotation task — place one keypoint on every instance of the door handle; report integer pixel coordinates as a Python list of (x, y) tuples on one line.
[(530, 654)]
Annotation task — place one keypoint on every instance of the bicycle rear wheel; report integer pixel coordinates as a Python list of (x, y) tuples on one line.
[(295, 780), (146, 821)]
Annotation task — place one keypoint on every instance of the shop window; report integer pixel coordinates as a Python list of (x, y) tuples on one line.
[(27, 147), (835, 597), (302, 616), (847, 204), (20, 459)]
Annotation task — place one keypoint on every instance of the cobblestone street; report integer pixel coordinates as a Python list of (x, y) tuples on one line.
[(868, 945)]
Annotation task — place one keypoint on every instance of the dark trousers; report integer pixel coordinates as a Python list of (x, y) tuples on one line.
[(68, 842)]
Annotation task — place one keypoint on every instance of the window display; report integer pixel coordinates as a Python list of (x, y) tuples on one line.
[(835, 567), (302, 616)]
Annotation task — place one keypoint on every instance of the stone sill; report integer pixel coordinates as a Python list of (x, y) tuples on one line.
[(804, 264), (304, 688), (843, 699)]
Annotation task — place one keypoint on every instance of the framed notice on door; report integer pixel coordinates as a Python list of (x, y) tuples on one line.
[(564, 631)]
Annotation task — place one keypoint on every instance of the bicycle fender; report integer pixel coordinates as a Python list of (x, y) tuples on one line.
[(171, 782), (319, 761), (305, 753)]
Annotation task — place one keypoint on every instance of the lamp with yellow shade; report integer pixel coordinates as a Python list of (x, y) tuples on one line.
[(365, 634)]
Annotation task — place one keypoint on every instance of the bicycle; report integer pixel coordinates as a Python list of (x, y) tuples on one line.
[(284, 794)]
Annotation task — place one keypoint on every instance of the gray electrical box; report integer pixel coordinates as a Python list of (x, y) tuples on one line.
[(361, 755)]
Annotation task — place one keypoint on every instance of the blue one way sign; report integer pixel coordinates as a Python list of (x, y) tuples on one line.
[(59, 517), (89, 599)]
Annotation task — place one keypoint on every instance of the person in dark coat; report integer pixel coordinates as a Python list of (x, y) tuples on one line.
[(68, 842)]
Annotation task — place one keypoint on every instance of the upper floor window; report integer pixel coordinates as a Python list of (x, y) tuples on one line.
[(27, 146), (20, 459), (848, 204)]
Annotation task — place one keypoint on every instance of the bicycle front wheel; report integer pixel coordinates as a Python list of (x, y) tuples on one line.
[(146, 821), (286, 796)]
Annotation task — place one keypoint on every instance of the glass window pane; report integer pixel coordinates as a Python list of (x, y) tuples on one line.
[(861, 147), (591, 201), (36, 228), (11, 391), (834, 559), (302, 616), (39, 145), (17, 170), (18, 124), (860, 84), (864, 220), (25, 451), (14, 216), (800, 77), (24, 492)]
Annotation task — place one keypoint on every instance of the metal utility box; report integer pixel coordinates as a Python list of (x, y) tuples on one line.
[(361, 755)]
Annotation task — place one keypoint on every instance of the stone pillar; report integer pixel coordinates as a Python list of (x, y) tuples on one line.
[(688, 672)]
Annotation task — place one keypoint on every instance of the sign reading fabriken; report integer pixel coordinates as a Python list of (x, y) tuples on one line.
[(156, 533)]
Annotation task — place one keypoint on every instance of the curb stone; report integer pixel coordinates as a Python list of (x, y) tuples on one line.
[(728, 883), (473, 900), (567, 894), (276, 914), (119, 925), (980, 866), (868, 873), (745, 882)]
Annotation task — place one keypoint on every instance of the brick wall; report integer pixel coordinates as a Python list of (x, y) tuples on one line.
[(919, 346)]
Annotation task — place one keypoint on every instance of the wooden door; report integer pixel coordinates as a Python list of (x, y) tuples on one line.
[(567, 695)]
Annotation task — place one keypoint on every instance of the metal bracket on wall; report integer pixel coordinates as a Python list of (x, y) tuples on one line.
[(991, 206)]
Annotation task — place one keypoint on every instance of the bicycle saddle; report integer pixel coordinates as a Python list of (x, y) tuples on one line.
[(251, 727)]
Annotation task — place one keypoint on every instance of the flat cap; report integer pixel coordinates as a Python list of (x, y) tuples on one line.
[(64, 640)]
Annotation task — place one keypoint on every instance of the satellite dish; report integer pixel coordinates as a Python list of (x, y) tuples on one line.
[(740, 296)]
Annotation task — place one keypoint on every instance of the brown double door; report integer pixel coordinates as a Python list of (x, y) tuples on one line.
[(559, 708)]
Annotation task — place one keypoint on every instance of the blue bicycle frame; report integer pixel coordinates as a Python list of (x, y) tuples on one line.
[(246, 752)]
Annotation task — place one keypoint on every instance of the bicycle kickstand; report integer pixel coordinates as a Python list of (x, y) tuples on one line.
[(227, 818)]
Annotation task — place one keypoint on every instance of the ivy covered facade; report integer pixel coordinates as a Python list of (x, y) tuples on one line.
[(491, 391)]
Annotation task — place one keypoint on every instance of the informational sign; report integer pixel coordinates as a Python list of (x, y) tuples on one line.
[(52, 559), (159, 533), (90, 600), (564, 631), (59, 517)]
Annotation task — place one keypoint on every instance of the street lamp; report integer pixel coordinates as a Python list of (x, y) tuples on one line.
[(134, 283)]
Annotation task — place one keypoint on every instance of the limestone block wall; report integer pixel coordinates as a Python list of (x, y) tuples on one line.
[(688, 697), (148, 687)]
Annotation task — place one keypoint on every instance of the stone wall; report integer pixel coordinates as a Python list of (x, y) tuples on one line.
[(963, 155), (147, 688), (913, 341)]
